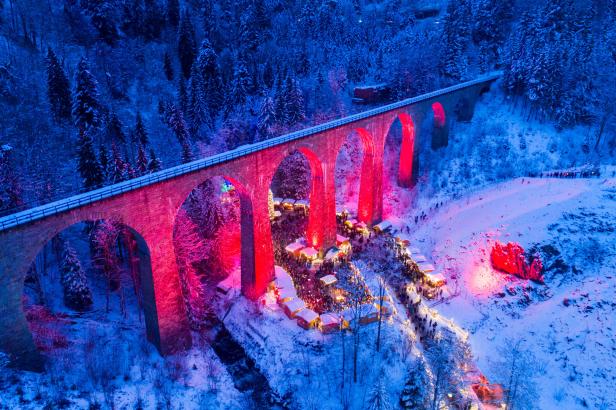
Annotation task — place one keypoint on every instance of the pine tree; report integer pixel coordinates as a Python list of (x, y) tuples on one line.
[(103, 159), (378, 398), (177, 124), (88, 166), (119, 167), (154, 19), (10, 185), (199, 113), (101, 15), (77, 294), (142, 161), (207, 68), (267, 119), (133, 18), (168, 67), (268, 75), (294, 107), (140, 134), (154, 165), (173, 13), (456, 37), (86, 107), (58, 88), (239, 86), (414, 394), (492, 21), (114, 131), (187, 46)]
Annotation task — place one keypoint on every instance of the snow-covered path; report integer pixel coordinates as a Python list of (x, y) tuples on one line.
[(575, 339)]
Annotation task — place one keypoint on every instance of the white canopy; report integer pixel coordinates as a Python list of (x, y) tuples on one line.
[(414, 251), (383, 226), (328, 280), (419, 258), (286, 294), (341, 239), (277, 200), (294, 247), (294, 305), (309, 252), (307, 315), (302, 203), (426, 267), (330, 319), (283, 279), (436, 278)]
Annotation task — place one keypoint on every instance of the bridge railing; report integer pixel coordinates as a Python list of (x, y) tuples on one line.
[(89, 197)]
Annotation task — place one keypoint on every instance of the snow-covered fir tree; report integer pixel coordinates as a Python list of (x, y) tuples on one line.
[(187, 46), (86, 108), (88, 166), (77, 294), (58, 88)]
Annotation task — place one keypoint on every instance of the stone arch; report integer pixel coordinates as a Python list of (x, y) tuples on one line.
[(246, 223), (365, 199), (34, 359), (439, 126), (314, 230)]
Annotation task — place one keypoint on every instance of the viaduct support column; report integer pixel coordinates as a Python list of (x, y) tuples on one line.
[(257, 247), (329, 201), (15, 336), (163, 303)]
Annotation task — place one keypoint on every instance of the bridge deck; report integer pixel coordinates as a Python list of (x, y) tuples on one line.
[(76, 201)]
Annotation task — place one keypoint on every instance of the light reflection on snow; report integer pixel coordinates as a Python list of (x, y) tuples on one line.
[(485, 281)]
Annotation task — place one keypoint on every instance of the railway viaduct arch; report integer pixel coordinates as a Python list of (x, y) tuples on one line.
[(149, 205)]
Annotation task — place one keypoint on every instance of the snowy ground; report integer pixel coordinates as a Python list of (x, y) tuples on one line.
[(569, 322), (306, 366)]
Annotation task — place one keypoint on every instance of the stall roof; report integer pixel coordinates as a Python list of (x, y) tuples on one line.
[(368, 309), (361, 225), (277, 200), (309, 252), (382, 226), (333, 252), (414, 251), (283, 279), (426, 267), (436, 277), (302, 202), (295, 305), (328, 280), (329, 319), (419, 258), (287, 293), (341, 239), (308, 315), (294, 247)]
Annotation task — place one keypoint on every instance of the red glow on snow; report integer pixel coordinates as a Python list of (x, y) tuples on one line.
[(405, 172), (439, 114), (485, 281)]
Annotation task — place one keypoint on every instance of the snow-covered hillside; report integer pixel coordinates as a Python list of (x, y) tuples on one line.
[(568, 324)]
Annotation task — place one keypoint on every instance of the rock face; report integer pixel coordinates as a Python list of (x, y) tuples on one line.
[(512, 259)]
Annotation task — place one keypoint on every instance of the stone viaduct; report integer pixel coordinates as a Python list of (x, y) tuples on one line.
[(148, 206)]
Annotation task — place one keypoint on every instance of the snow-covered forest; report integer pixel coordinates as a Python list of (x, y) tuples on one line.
[(96, 92)]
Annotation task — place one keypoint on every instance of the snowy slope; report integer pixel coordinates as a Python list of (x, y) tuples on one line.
[(568, 323)]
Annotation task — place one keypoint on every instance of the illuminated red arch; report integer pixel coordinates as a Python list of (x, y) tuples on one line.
[(365, 204), (247, 247), (439, 115), (407, 149), (315, 230)]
